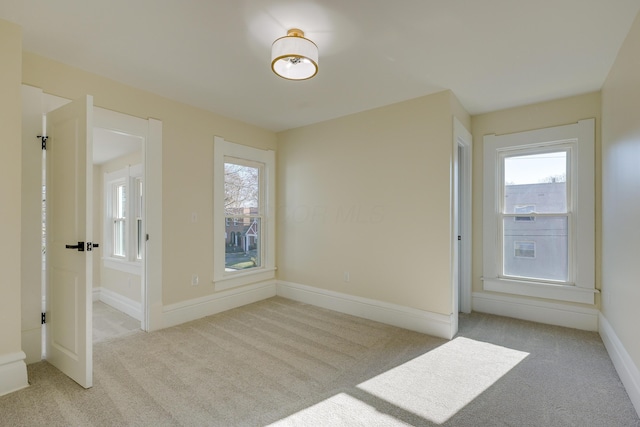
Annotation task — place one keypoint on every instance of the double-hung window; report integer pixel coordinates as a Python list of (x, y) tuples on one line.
[(538, 213), (119, 218), (123, 228), (244, 214)]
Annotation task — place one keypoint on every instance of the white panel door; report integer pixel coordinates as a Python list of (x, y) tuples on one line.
[(69, 213)]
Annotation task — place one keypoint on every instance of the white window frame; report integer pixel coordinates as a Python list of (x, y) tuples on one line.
[(580, 140), (128, 176), (266, 271)]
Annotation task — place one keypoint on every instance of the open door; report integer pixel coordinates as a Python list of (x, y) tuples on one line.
[(69, 240)]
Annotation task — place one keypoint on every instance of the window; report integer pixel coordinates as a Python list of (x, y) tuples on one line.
[(138, 214), (119, 219), (244, 228), (242, 200), (123, 233), (525, 249), (548, 175), (534, 182)]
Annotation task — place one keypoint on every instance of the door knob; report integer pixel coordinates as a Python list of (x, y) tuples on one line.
[(79, 246)]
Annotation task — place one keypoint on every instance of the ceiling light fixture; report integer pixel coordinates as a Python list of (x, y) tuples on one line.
[(294, 57)]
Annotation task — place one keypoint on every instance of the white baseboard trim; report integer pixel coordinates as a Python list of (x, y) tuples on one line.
[(120, 302), (435, 324), (13, 372), (186, 311), (627, 370), (552, 313)]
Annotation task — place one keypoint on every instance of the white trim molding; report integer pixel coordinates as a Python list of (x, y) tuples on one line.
[(552, 313), (186, 311), (622, 361), (119, 302), (13, 372), (224, 278), (426, 322), (578, 141), (541, 290)]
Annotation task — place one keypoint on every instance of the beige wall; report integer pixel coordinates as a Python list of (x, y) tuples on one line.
[(369, 194), (187, 164), (10, 188), (13, 370), (530, 117), (621, 194)]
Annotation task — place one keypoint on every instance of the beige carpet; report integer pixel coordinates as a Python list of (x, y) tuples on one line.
[(289, 364)]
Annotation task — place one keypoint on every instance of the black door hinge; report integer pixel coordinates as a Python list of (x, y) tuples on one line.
[(43, 319), (44, 141)]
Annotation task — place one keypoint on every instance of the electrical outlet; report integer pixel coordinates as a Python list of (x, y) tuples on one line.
[(346, 276), (195, 280), (194, 217)]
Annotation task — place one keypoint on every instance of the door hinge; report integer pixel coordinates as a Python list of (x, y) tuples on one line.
[(43, 318), (44, 141)]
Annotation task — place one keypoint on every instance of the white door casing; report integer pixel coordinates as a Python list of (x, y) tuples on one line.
[(69, 216), (462, 153)]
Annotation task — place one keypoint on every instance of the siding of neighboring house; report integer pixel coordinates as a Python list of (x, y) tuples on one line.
[(536, 247)]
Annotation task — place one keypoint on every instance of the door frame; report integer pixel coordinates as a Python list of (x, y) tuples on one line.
[(151, 298), (122, 123), (462, 218)]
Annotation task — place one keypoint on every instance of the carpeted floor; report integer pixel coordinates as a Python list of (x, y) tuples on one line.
[(289, 364)]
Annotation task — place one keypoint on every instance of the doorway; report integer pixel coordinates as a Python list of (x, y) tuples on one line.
[(119, 217)]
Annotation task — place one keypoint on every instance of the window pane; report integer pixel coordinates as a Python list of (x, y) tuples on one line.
[(121, 201), (243, 244), (536, 249), (535, 183), (139, 199), (139, 238), (119, 237), (241, 189)]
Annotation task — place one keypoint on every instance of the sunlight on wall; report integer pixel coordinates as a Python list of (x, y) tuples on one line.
[(431, 387)]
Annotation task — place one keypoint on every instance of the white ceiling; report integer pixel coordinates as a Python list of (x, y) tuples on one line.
[(109, 145), (215, 54)]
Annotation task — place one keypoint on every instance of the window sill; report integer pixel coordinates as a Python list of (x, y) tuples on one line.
[(541, 290), (124, 266), (242, 278)]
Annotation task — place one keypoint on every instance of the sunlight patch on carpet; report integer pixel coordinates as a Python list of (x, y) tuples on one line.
[(438, 384), (339, 410)]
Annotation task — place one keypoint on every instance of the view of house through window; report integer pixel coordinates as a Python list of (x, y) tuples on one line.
[(535, 245), (243, 214)]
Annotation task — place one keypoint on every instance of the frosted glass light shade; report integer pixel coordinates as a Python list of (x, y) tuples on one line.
[(294, 57)]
